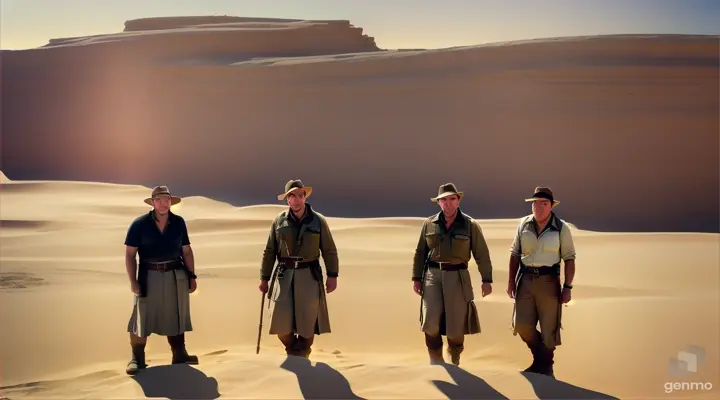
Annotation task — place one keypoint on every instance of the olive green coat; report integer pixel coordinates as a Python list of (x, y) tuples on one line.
[(448, 306), (299, 299)]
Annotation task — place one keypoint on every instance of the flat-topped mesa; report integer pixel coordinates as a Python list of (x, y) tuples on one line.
[(208, 37), (160, 23)]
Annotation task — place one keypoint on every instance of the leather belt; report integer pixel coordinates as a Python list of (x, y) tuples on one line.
[(296, 262), (446, 266), (543, 270), (162, 266)]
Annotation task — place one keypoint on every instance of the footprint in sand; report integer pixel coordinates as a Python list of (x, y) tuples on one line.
[(216, 353)]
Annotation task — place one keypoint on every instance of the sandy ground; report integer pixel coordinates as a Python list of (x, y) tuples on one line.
[(638, 300)]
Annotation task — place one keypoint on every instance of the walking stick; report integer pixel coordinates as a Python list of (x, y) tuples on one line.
[(262, 308)]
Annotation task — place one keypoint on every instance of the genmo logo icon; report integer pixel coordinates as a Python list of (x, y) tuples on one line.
[(684, 365)]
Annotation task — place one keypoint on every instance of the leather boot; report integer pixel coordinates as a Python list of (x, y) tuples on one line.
[(454, 351), (137, 362), (180, 355), (289, 342), (304, 346), (537, 363), (436, 356), (546, 368)]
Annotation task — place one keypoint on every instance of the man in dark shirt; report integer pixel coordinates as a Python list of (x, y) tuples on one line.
[(162, 281)]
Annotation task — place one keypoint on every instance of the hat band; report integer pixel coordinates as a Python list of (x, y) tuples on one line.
[(543, 195)]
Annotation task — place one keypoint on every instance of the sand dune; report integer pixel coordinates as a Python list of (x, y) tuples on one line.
[(626, 120), (64, 303)]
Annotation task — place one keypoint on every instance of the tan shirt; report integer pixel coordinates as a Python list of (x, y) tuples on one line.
[(547, 249)]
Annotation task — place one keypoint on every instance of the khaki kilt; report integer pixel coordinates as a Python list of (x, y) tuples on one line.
[(166, 308), (448, 306), (299, 305)]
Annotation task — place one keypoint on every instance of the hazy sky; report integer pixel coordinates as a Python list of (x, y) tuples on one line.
[(393, 23)]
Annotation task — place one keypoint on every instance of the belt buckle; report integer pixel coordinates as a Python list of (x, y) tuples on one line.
[(441, 263), (533, 271)]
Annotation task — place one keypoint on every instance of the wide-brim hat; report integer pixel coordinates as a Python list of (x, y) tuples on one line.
[(294, 184), (162, 191), (445, 190), (543, 193)]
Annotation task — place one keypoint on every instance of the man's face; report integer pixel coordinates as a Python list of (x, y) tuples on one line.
[(541, 209), (449, 204), (161, 204), (296, 199)]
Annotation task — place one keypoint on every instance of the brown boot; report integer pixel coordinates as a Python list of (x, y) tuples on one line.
[(180, 355), (535, 349), (304, 346), (289, 342), (546, 366), (454, 352), (137, 362), (436, 356)]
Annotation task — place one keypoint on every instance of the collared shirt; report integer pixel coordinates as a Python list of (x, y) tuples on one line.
[(154, 245), (554, 243)]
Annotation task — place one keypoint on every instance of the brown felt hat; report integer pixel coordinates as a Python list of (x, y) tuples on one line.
[(543, 193), (162, 191), (447, 189), (293, 185)]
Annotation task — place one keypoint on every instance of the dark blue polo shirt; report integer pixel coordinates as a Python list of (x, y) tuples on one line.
[(152, 244)]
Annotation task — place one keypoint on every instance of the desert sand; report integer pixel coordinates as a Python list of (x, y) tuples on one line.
[(64, 303), (211, 107), (627, 118)]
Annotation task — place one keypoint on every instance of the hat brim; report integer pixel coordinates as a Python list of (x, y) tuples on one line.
[(446, 194), (307, 189), (530, 200), (173, 200)]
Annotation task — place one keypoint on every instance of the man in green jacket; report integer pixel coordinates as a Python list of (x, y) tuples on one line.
[(298, 237), (448, 240)]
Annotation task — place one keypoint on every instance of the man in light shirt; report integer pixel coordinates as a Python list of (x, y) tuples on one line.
[(541, 242)]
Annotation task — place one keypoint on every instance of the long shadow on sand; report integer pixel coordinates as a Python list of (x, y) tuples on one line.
[(467, 385), (320, 381), (179, 381), (548, 388)]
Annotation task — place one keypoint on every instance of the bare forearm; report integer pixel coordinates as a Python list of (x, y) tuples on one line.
[(189, 259), (131, 267), (513, 268), (569, 271)]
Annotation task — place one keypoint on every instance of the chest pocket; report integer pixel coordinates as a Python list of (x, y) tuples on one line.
[(285, 237), (460, 245), (550, 242), (433, 237), (528, 242)]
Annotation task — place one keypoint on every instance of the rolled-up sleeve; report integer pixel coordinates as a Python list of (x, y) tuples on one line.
[(567, 246)]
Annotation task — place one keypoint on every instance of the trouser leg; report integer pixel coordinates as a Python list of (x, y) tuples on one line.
[(526, 320), (548, 307)]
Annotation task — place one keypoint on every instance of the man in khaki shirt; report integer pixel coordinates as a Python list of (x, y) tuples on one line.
[(541, 242), (448, 240)]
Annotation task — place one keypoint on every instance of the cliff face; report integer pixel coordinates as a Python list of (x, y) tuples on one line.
[(624, 129)]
